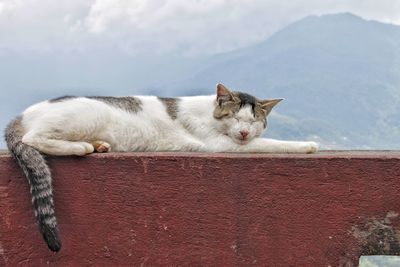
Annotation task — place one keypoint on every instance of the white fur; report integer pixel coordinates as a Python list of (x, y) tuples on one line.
[(68, 127)]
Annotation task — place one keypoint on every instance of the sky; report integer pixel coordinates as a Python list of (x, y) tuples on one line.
[(50, 48), (185, 27)]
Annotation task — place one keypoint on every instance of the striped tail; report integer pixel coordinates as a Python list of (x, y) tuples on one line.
[(39, 178)]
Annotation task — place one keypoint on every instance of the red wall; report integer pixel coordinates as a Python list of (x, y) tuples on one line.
[(176, 209)]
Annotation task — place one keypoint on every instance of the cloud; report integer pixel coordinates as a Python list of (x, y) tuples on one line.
[(192, 27), (7, 6)]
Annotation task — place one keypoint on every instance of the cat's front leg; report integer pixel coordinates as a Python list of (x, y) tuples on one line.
[(264, 145), (182, 143)]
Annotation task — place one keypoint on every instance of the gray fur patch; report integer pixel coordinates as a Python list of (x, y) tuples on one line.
[(127, 103), (61, 98), (13, 133), (171, 105), (246, 99)]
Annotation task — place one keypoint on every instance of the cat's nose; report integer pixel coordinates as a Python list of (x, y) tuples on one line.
[(244, 133)]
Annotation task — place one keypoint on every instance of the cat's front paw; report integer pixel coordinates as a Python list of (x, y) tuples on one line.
[(101, 146), (81, 148), (312, 147)]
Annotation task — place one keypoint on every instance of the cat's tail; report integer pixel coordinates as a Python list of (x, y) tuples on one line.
[(39, 178)]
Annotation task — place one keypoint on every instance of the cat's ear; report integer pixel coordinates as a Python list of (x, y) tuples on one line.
[(223, 94), (268, 104)]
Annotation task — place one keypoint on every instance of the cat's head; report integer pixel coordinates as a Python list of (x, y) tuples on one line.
[(241, 116)]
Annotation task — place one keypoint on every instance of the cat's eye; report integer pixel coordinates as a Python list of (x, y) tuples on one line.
[(236, 119)]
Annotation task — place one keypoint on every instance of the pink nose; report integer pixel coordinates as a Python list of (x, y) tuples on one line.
[(244, 134)]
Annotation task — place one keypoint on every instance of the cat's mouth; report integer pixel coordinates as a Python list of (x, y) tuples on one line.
[(239, 140)]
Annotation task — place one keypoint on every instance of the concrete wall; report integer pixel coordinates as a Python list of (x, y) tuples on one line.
[(177, 209)]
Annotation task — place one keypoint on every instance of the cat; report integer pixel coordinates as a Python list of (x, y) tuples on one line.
[(226, 122)]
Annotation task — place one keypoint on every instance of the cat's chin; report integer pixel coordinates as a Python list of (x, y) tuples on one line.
[(241, 141)]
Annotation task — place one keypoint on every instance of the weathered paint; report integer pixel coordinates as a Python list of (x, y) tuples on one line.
[(192, 209)]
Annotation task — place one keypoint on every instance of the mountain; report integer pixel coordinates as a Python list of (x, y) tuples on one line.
[(339, 74)]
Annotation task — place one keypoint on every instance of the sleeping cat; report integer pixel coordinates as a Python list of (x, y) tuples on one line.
[(225, 122)]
